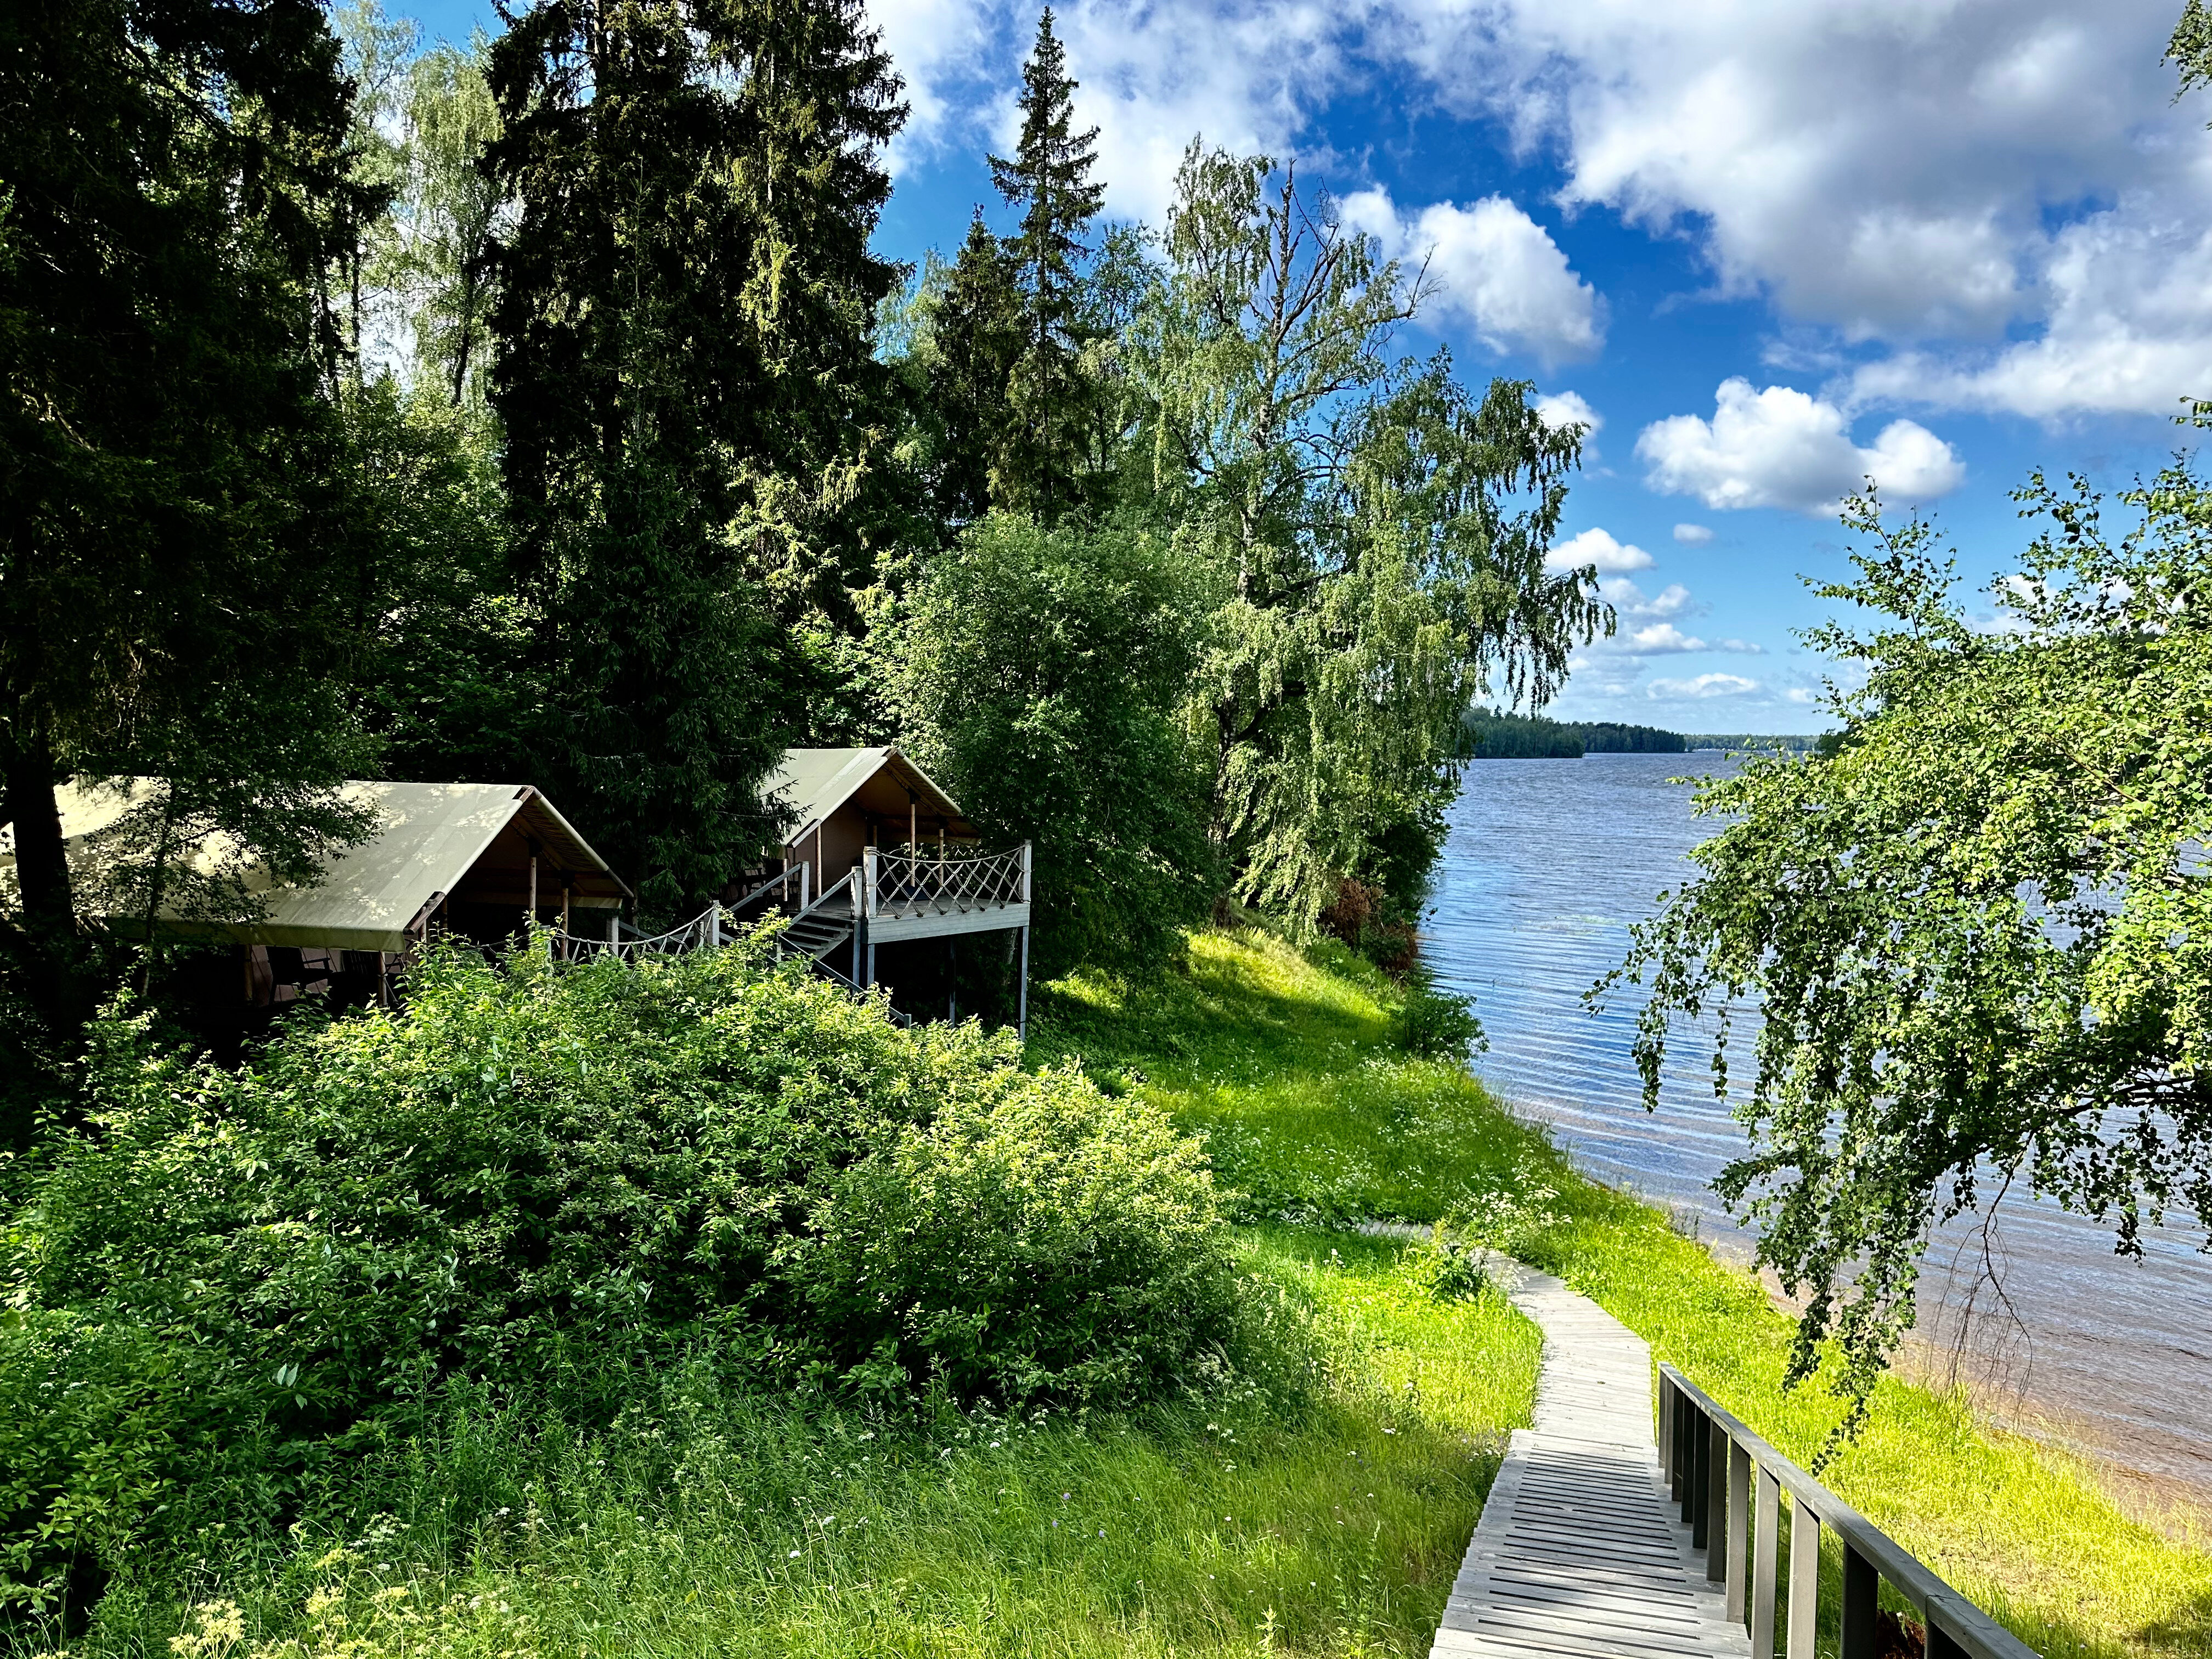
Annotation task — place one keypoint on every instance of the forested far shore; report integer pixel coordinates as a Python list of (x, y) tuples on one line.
[(1495, 734)]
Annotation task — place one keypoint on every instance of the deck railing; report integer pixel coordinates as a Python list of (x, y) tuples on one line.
[(1730, 1482), (912, 880)]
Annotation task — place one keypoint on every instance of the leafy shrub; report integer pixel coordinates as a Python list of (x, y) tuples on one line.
[(1434, 1023), (555, 1181)]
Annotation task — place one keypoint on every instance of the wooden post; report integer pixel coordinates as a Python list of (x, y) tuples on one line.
[(1739, 1529), (567, 886), (1695, 1513), (1804, 1579), (913, 825), (1022, 1007), (614, 928), (952, 990), (1664, 1439), (1716, 1519), (1765, 1558), (863, 894), (530, 920), (714, 924), (1862, 1583)]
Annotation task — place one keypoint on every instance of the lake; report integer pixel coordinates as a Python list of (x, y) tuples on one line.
[(1548, 863)]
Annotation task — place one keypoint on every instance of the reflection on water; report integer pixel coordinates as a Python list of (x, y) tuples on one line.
[(1549, 861)]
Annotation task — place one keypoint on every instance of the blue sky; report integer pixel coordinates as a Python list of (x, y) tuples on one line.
[(1770, 247)]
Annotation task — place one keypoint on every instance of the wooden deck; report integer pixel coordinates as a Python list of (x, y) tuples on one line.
[(1579, 1551)]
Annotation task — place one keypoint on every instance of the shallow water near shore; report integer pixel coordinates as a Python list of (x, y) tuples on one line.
[(1548, 863)]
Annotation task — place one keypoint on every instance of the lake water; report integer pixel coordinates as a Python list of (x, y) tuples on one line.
[(1548, 863)]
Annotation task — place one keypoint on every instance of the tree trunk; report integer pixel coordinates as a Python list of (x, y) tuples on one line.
[(41, 865), (50, 955)]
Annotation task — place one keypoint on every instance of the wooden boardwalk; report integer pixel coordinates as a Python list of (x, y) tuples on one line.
[(1579, 1551)]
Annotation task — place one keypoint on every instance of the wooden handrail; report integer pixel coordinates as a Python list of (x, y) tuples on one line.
[(1718, 1503)]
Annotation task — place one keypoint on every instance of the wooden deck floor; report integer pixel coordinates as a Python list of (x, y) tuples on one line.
[(1579, 1551)]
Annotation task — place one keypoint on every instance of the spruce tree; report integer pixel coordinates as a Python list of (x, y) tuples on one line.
[(684, 373), (1048, 179), (976, 331)]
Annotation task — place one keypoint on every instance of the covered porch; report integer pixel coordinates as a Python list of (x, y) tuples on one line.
[(882, 874)]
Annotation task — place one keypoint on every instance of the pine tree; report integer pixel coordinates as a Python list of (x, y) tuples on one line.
[(684, 374), (976, 336), (1048, 179)]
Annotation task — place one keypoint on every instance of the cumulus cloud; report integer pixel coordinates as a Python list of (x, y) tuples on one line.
[(1596, 547), (1558, 409), (1703, 685), (1696, 535), (1781, 447), (1496, 269), (1995, 195), (1661, 636), (2129, 332), (1627, 597)]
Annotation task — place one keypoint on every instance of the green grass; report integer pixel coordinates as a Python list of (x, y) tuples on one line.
[(1324, 1520), (713, 1526), (1284, 1060)]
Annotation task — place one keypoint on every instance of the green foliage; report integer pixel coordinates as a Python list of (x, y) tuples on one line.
[(685, 381), (1039, 455), (1376, 532), (1435, 1023), (1970, 923), (178, 193), (446, 690), (453, 209), (977, 334), (1333, 1514), (556, 1181), (1037, 674)]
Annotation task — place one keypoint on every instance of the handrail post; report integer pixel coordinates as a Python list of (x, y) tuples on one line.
[(1804, 1578), (1666, 1436), (1861, 1584), (1765, 1559), (1739, 1529), (1025, 872), (1679, 1471), (1717, 1514), (1695, 1509), (714, 925)]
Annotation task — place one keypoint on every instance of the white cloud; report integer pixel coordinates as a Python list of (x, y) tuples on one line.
[(1498, 271), (1998, 194), (1596, 547), (1558, 409), (1625, 596), (1932, 176), (1781, 447), (2130, 331), (1662, 636), (1696, 535), (1705, 685)]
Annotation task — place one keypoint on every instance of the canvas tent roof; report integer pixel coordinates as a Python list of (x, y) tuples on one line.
[(816, 782), (435, 840)]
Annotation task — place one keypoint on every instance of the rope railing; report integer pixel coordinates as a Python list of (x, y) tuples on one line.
[(1730, 1484), (928, 880)]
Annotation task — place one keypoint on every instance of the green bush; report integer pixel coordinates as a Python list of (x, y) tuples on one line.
[(552, 1182)]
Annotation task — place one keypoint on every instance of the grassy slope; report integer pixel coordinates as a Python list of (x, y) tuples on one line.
[(1286, 1064), (711, 1526)]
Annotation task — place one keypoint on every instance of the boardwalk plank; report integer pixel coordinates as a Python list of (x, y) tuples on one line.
[(1579, 1553)]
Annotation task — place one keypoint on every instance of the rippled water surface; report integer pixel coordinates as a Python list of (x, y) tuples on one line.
[(1548, 863)]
